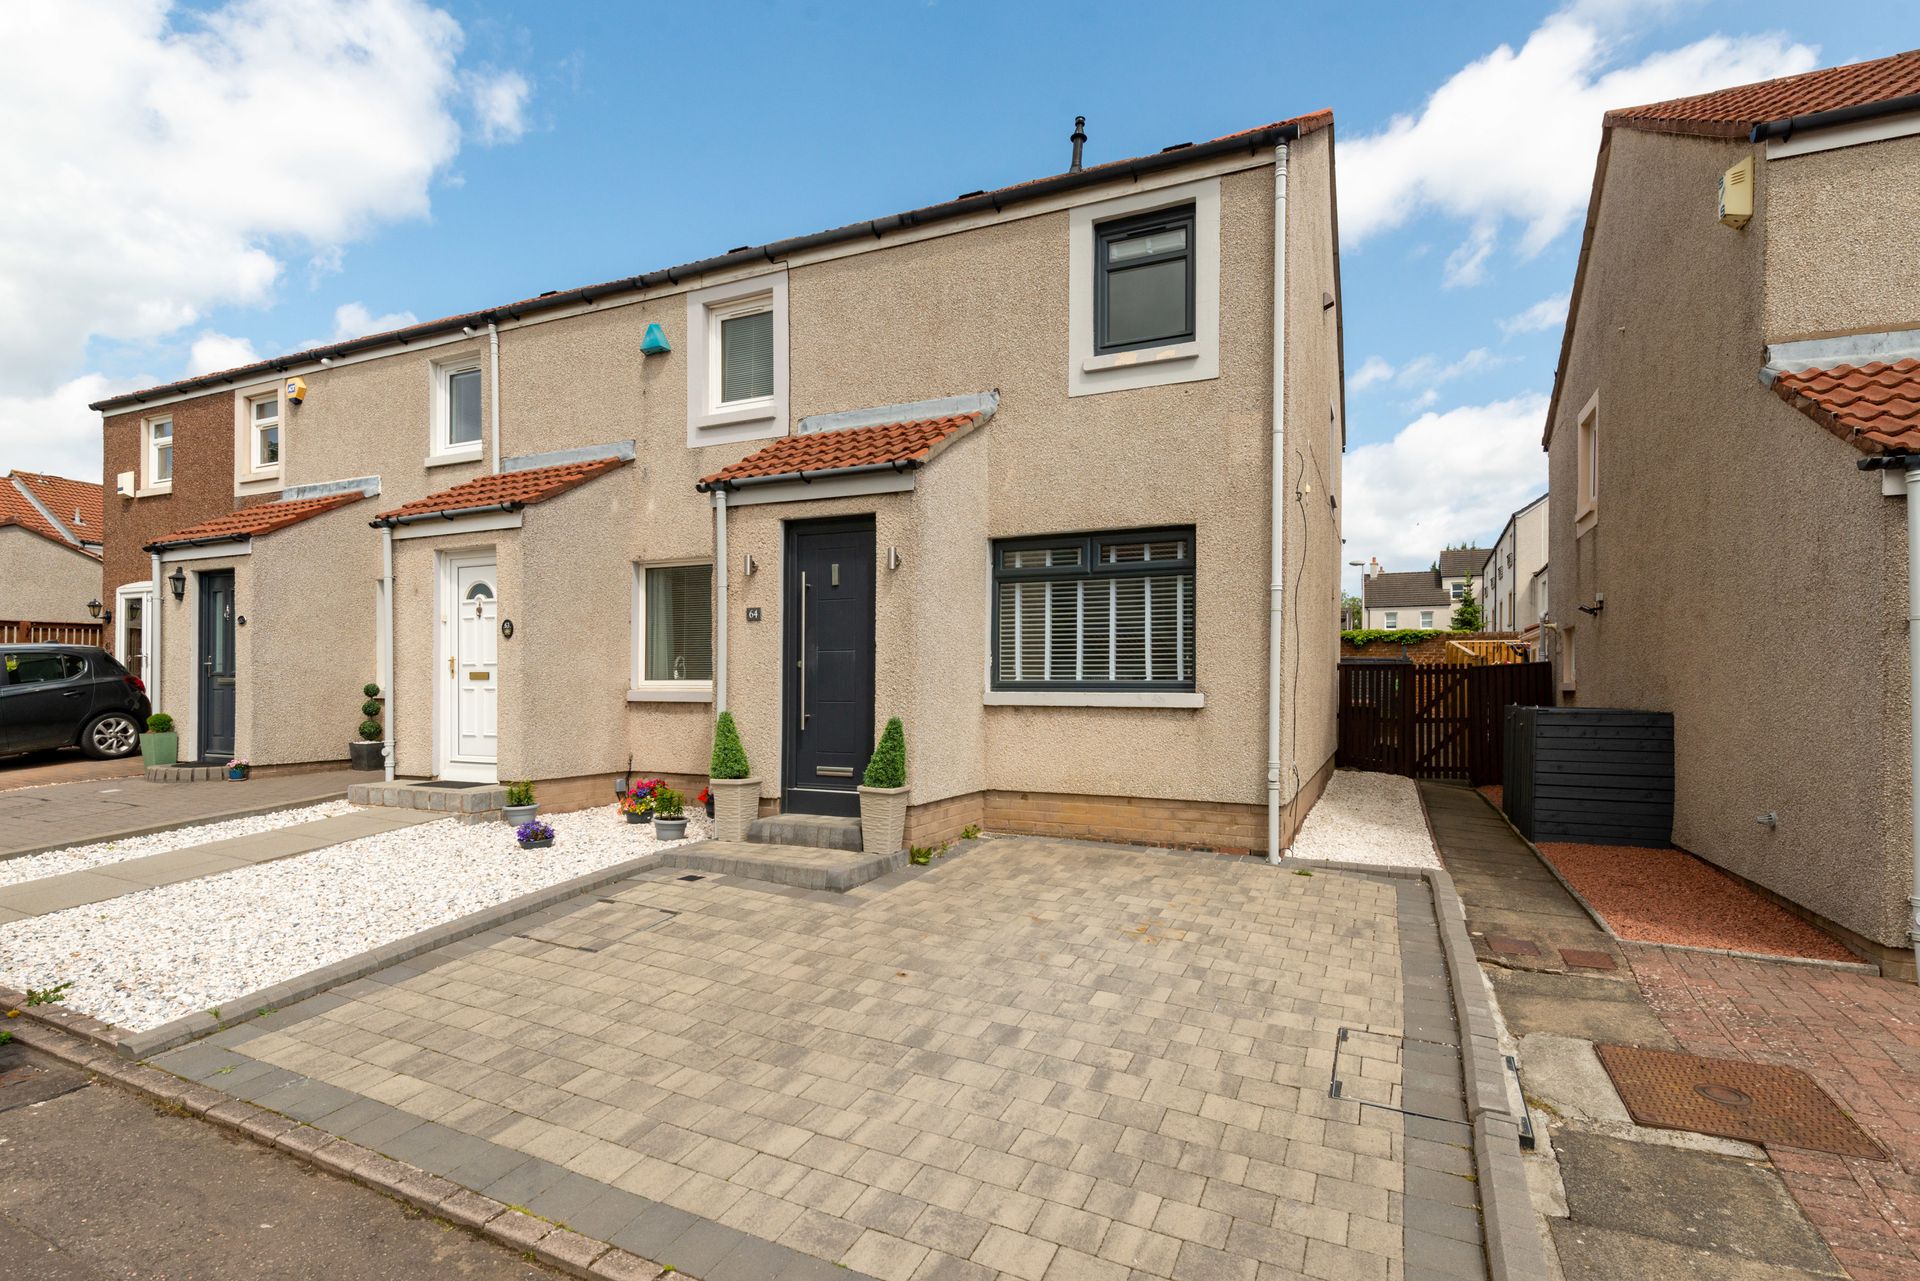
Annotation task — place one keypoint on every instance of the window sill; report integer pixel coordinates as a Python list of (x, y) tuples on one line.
[(153, 491), (1585, 521), (758, 411), (1095, 698), (671, 694), (1144, 356), (452, 457)]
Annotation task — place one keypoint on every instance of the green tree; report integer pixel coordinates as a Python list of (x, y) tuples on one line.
[(1466, 611), (888, 765)]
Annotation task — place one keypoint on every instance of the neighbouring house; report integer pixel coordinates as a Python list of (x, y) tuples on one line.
[(1514, 571), (50, 531), (1743, 338), (1420, 599), (915, 466)]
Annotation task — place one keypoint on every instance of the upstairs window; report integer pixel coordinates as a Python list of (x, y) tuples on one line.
[(1586, 507), (1110, 611), (1143, 281), (746, 353), (159, 450), (1426, 619), (1393, 619), (263, 417), (456, 411), (737, 361)]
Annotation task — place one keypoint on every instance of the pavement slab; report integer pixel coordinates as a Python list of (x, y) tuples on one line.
[(55, 816)]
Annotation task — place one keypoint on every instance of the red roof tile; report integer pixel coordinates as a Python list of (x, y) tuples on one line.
[(250, 521), (74, 503), (1874, 407), (1734, 112), (904, 444), (513, 489), (17, 509)]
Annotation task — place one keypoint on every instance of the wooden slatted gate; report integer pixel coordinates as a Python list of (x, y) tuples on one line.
[(1433, 721)]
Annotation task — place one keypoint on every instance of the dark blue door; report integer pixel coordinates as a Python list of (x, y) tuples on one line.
[(217, 670), (828, 620)]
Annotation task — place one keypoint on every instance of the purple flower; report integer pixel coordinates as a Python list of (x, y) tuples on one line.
[(534, 831)]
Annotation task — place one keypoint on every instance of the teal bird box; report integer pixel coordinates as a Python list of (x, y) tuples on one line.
[(655, 343)]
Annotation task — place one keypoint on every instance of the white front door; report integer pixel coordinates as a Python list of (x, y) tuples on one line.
[(473, 670)]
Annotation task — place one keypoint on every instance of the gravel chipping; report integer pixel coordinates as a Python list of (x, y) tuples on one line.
[(78, 858), (158, 955), (1367, 818)]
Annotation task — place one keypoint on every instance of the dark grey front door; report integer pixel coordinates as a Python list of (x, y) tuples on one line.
[(828, 715), (216, 665)]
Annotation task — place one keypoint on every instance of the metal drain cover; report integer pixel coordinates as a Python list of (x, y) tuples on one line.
[(1755, 1102), (690, 876)]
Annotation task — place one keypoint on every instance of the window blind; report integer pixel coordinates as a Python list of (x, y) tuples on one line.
[(746, 357), (1113, 611), (463, 410), (679, 613)]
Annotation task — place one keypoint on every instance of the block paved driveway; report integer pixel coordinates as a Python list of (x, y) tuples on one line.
[(1041, 1060)]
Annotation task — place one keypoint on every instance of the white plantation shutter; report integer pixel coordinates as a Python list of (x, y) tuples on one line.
[(1096, 612)]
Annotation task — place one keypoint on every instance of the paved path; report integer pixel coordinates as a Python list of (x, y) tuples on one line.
[(1639, 1205), (1037, 1060), (69, 765), (130, 876), (97, 1185), (36, 819)]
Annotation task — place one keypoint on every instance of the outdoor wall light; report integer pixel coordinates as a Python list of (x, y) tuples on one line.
[(747, 565), (93, 608), (178, 581), (893, 558)]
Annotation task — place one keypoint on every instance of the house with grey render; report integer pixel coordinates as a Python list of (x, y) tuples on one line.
[(914, 466)]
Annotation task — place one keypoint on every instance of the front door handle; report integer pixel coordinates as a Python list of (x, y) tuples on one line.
[(449, 664), (801, 662)]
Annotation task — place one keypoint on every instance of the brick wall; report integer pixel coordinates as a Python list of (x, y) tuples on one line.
[(1431, 650)]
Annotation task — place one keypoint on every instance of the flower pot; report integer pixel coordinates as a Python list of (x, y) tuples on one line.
[(709, 804), (363, 755), (671, 829), (540, 844), (635, 816), (160, 749), (237, 776), (736, 803), (518, 814), (883, 818)]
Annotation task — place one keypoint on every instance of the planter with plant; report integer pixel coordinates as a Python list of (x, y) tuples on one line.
[(520, 807), (638, 801), (238, 769), (160, 745), (706, 799), (534, 835), (669, 815), (884, 793), (366, 753), (736, 793)]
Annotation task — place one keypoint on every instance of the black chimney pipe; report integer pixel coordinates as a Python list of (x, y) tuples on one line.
[(1079, 141)]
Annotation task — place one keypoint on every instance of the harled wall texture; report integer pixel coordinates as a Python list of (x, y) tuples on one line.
[(1843, 240), (42, 581)]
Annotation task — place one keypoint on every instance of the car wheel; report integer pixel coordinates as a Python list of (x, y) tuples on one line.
[(109, 736)]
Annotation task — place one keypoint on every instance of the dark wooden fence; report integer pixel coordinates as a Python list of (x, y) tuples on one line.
[(1591, 774), (1433, 722)]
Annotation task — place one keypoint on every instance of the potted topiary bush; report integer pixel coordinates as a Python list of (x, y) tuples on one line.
[(669, 815), (159, 745), (520, 807), (367, 752), (736, 793), (884, 793), (534, 835)]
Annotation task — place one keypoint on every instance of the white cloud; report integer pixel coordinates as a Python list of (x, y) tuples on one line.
[(1423, 373), (1512, 135), (499, 103), (1548, 313), (1372, 370), (164, 161), (1446, 477), (353, 320), (1467, 265), (212, 351), (55, 432)]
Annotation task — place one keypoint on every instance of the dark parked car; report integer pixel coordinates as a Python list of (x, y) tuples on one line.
[(69, 696)]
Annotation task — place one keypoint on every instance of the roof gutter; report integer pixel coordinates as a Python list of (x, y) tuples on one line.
[(452, 513), (1838, 116), (209, 541), (772, 252), (808, 477)]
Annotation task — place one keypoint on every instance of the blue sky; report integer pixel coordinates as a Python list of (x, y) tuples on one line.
[(398, 158)]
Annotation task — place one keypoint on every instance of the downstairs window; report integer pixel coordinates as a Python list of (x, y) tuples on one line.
[(1110, 611)]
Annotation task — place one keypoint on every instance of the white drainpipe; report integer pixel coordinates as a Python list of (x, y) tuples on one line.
[(493, 375), (720, 601), (1277, 592), (386, 648), (1913, 694), (156, 656)]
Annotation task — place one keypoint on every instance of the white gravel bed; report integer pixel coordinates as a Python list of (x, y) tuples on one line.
[(78, 858), (1367, 818), (158, 955)]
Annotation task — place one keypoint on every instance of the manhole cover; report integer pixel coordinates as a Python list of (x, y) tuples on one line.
[(1755, 1102)]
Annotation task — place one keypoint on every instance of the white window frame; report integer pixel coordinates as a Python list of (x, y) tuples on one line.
[(441, 450), (1391, 620), (641, 689), (150, 455), (1566, 658), (1426, 620), (1587, 466), (1194, 361), (254, 465), (143, 590), (710, 421)]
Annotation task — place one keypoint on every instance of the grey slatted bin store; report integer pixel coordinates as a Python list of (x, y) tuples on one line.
[(1594, 774)]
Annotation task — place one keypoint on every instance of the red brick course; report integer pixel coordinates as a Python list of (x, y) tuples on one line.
[(1859, 1037)]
